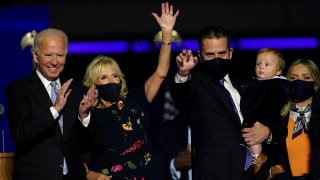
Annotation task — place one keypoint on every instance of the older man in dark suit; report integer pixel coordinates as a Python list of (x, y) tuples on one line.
[(46, 115)]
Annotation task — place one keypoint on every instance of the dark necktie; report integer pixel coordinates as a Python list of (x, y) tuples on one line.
[(54, 90), (301, 122), (249, 157), (221, 81)]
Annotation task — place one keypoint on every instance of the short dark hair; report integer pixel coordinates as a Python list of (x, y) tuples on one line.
[(213, 32)]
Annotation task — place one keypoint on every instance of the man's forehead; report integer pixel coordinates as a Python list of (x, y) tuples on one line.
[(215, 49), (218, 44), (221, 39)]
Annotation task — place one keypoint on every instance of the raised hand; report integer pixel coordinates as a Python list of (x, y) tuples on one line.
[(62, 96), (87, 102), (167, 19), (185, 62)]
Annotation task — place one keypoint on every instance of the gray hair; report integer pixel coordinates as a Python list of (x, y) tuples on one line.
[(52, 33)]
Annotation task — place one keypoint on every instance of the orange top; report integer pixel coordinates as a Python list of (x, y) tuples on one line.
[(298, 151)]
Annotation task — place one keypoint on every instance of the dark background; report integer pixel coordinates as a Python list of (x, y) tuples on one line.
[(127, 20)]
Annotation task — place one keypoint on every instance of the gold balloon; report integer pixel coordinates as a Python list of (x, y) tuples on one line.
[(175, 37), (28, 39)]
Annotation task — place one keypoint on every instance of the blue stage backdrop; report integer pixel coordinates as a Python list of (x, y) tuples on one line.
[(16, 21)]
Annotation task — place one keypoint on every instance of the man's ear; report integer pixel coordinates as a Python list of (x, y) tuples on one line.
[(231, 51), (34, 55)]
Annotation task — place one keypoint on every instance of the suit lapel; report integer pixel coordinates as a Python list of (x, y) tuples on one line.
[(223, 96), (226, 100), (37, 85), (65, 112)]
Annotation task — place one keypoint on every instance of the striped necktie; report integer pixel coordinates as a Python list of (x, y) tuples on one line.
[(54, 90)]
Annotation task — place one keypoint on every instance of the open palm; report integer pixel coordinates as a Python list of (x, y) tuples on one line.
[(167, 19)]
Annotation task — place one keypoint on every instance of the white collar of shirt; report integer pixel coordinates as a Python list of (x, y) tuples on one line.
[(46, 82), (234, 94), (279, 77), (227, 79), (275, 77), (294, 115)]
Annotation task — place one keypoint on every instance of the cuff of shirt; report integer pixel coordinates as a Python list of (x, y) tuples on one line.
[(54, 112), (181, 79), (85, 121), (269, 139), (175, 174)]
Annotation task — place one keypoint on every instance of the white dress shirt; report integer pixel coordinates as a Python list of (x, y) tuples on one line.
[(54, 112)]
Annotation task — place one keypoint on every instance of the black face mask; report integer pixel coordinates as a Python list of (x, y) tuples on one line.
[(216, 68), (301, 90), (109, 92)]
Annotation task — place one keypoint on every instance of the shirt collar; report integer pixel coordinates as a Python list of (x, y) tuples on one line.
[(227, 79), (45, 81), (275, 77)]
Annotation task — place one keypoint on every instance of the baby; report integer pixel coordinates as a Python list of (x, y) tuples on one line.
[(263, 99)]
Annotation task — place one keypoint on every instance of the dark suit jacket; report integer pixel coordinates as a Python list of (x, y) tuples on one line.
[(215, 126), (173, 139), (40, 145)]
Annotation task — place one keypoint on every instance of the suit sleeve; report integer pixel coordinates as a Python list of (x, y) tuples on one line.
[(28, 120), (182, 93)]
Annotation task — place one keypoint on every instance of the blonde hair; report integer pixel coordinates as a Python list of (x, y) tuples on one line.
[(314, 71), (281, 61), (94, 70)]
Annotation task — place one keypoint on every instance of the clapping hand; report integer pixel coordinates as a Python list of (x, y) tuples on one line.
[(87, 102), (62, 96)]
